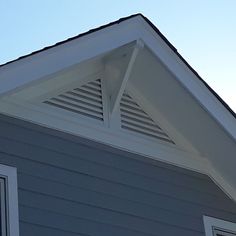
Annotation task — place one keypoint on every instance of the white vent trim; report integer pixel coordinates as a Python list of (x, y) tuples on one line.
[(220, 232), (8, 176), (136, 120), (218, 227), (85, 100)]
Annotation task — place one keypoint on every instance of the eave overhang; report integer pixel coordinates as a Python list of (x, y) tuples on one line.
[(212, 140)]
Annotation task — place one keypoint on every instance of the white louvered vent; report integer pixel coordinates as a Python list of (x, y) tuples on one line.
[(85, 100), (134, 119)]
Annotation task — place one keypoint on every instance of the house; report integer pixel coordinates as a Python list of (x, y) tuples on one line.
[(113, 133)]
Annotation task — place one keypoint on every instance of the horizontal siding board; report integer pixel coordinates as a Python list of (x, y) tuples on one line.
[(114, 175), (86, 181), (119, 194), (80, 225), (103, 215), (69, 186), (106, 191), (166, 212), (41, 230), (113, 193), (105, 158), (39, 134), (115, 208), (58, 144)]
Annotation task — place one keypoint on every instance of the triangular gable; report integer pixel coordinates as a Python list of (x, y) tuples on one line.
[(192, 128)]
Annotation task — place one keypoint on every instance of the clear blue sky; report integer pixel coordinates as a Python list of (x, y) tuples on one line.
[(203, 31)]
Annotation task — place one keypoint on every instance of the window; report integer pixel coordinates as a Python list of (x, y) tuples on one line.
[(218, 232), (217, 227), (9, 221)]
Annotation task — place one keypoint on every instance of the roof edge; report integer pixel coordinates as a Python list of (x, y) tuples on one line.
[(74, 37), (189, 66), (156, 30)]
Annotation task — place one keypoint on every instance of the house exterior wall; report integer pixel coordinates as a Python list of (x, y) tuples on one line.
[(71, 186)]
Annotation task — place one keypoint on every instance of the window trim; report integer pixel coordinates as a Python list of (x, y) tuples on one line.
[(210, 223), (9, 174)]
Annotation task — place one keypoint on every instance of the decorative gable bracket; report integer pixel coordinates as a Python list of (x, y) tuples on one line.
[(59, 72), (119, 90)]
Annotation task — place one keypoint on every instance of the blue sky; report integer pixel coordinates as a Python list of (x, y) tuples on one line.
[(203, 31)]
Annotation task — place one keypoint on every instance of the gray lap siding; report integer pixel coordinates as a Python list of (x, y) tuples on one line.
[(71, 186)]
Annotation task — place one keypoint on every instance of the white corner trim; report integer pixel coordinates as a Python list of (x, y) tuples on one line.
[(210, 223), (10, 176), (220, 181)]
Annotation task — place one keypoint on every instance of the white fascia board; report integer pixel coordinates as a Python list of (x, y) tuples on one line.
[(187, 78), (220, 181), (29, 69)]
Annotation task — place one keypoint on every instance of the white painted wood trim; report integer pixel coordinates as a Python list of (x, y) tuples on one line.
[(10, 176), (32, 68), (117, 138), (116, 96), (42, 65), (114, 137), (45, 63), (160, 119), (187, 78), (104, 100), (210, 223), (220, 181)]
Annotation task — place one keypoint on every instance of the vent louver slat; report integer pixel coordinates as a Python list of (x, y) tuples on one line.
[(85, 100), (134, 119)]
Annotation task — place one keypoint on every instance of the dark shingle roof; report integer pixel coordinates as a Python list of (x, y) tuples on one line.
[(156, 30)]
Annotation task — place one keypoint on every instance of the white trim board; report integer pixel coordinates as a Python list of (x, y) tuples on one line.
[(210, 223), (9, 174), (91, 45), (117, 138), (187, 78), (50, 61), (22, 72), (41, 66)]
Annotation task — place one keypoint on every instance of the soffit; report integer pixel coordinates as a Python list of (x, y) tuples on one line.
[(159, 81), (161, 89)]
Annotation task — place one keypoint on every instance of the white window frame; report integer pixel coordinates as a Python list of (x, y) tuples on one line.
[(211, 224), (9, 175)]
